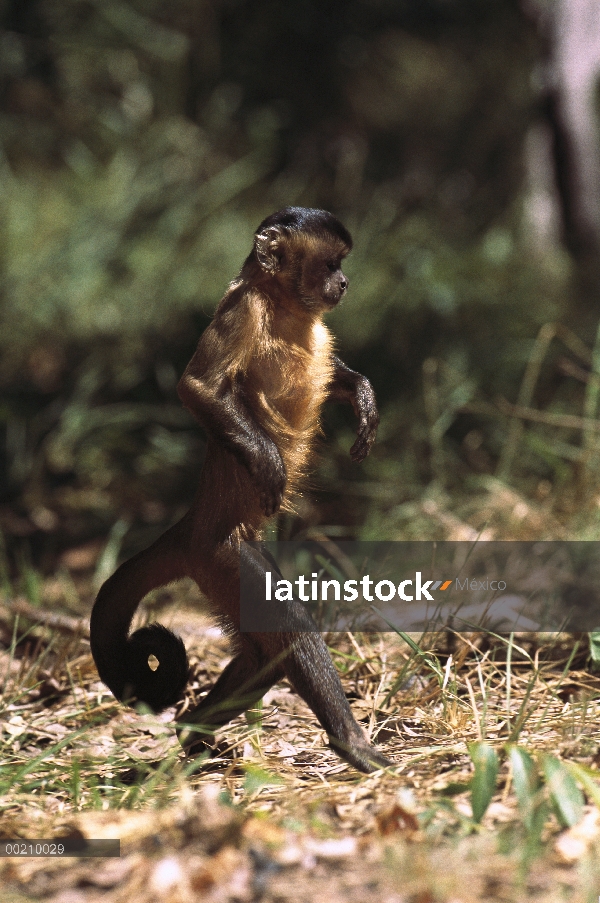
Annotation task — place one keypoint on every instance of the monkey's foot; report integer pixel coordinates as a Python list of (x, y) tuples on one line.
[(210, 758), (196, 742), (361, 755)]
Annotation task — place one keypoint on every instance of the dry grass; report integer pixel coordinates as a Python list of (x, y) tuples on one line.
[(298, 822)]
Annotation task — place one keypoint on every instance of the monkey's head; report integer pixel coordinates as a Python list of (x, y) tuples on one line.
[(300, 251)]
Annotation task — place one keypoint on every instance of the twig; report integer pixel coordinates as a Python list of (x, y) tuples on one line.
[(431, 400), (590, 402), (532, 372), (567, 421), (65, 623)]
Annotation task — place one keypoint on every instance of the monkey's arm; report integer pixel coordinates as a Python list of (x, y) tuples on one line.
[(349, 386), (219, 405)]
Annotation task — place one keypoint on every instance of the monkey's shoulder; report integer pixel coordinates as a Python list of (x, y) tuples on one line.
[(238, 330), (242, 309)]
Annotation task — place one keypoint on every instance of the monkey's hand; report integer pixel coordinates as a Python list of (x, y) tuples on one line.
[(365, 408), (225, 414), (349, 386), (269, 475)]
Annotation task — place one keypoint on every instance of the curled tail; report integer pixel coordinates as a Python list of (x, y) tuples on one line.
[(123, 661)]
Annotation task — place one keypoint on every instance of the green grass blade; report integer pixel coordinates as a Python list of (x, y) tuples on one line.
[(483, 782)]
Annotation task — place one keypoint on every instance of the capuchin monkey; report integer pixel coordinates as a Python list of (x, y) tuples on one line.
[(257, 382)]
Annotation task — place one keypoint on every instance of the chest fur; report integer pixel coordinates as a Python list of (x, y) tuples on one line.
[(293, 378)]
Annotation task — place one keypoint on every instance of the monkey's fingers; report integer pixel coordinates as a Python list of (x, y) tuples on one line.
[(363, 756), (359, 451), (365, 439), (270, 502), (269, 475)]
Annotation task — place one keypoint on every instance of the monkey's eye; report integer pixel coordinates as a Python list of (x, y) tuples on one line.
[(332, 266)]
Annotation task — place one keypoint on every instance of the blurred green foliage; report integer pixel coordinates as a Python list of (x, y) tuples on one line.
[(142, 142)]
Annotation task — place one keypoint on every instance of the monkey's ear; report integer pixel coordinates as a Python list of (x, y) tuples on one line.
[(267, 245)]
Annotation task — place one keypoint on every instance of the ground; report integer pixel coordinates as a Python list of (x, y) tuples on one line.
[(275, 816)]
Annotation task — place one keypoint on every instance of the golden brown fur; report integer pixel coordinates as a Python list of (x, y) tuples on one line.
[(257, 382)]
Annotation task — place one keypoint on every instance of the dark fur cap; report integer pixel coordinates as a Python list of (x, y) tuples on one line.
[(308, 220)]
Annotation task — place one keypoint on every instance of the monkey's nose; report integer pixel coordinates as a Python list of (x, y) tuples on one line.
[(343, 283)]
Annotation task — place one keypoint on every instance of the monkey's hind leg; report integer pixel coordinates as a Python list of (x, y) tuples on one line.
[(241, 685), (296, 644), (311, 672)]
